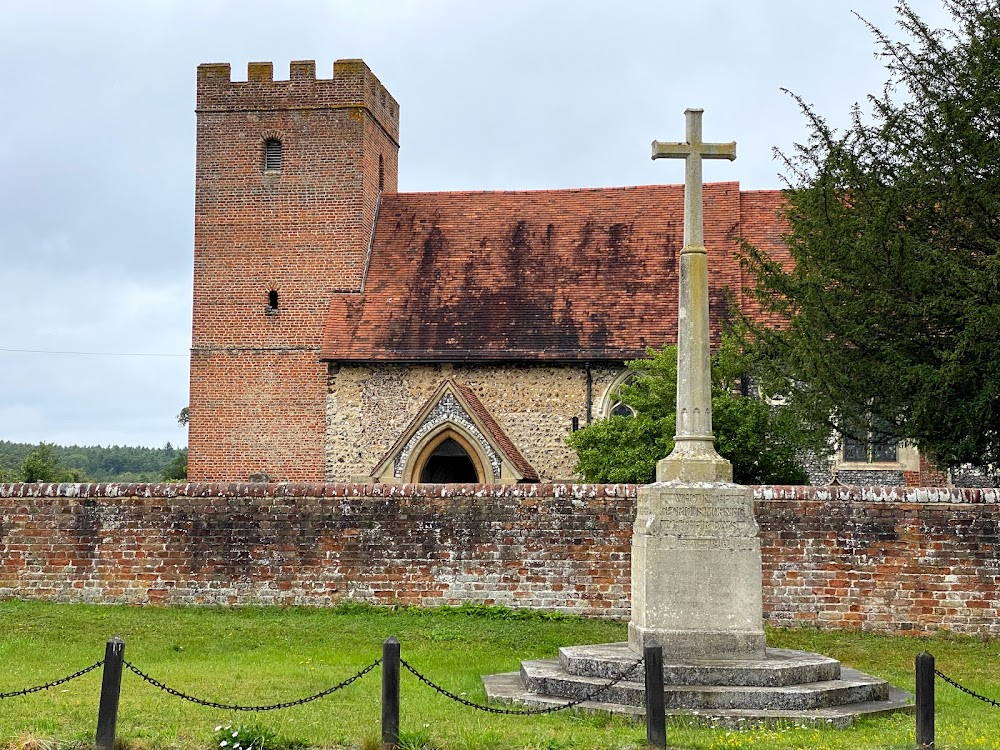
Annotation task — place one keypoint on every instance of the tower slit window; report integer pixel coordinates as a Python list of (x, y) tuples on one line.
[(272, 155), (272, 302)]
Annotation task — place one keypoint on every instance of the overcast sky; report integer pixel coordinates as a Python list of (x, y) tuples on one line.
[(98, 127)]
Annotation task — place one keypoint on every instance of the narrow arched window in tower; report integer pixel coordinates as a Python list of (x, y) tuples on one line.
[(272, 155), (272, 302), (381, 174)]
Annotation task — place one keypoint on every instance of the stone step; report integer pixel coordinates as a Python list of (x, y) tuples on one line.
[(546, 677), (508, 688), (781, 667)]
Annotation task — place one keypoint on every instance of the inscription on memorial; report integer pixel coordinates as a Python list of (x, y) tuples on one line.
[(700, 522), (702, 517)]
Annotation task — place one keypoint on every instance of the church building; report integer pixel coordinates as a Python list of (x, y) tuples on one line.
[(344, 331)]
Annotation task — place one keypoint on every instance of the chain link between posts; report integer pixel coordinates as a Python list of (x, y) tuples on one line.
[(983, 698), (54, 683), (234, 707), (527, 711), (361, 673)]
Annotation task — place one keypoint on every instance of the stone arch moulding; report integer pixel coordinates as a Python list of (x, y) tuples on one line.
[(455, 411), (430, 442), (610, 398)]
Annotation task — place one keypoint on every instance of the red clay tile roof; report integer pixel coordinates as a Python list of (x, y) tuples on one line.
[(762, 229), (554, 275), (495, 434)]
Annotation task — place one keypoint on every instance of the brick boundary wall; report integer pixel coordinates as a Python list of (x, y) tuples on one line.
[(544, 546), (886, 559)]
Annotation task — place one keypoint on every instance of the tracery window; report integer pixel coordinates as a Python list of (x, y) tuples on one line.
[(620, 409), (613, 406)]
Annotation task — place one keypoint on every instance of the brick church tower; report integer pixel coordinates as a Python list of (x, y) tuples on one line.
[(288, 179)]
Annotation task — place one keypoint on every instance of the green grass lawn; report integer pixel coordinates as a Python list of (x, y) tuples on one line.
[(270, 655)]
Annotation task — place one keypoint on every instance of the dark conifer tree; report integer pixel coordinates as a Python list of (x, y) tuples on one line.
[(893, 304)]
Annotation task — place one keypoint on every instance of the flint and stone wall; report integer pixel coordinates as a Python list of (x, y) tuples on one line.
[(877, 558), (369, 406)]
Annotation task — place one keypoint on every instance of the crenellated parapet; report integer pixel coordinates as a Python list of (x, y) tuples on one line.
[(353, 86)]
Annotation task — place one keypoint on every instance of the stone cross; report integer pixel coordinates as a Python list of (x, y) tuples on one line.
[(694, 457), (696, 565)]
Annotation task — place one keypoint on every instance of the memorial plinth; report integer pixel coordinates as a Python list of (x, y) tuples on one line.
[(784, 687), (696, 572)]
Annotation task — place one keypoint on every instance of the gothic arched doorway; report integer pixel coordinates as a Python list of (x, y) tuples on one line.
[(449, 462), (448, 458)]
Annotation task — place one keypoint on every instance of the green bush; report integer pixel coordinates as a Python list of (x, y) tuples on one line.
[(764, 443)]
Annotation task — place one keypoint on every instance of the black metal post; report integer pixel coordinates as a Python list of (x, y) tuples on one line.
[(656, 720), (390, 692), (111, 684), (925, 701)]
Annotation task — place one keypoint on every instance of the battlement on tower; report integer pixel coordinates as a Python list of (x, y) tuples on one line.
[(353, 86)]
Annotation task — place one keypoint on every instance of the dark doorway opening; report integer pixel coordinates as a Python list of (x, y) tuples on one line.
[(449, 463)]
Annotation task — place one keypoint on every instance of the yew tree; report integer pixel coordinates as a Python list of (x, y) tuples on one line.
[(892, 306)]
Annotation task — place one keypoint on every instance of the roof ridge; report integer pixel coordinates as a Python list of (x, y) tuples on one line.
[(537, 191)]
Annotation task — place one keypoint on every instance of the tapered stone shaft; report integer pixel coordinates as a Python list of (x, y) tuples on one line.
[(694, 457)]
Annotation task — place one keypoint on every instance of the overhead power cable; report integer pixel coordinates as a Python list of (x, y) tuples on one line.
[(91, 354)]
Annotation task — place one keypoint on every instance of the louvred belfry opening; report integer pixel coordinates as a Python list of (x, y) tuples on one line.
[(272, 155)]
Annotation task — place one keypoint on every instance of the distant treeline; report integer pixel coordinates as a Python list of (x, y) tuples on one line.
[(90, 463)]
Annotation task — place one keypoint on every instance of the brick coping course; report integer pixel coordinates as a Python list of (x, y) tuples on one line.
[(871, 494)]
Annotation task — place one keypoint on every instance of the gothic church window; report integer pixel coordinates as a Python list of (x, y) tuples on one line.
[(622, 410), (612, 405)]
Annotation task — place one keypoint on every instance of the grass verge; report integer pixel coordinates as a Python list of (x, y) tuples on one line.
[(269, 655)]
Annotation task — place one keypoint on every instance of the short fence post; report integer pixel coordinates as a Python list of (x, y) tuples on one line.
[(111, 683), (925, 701), (390, 692), (656, 720)]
